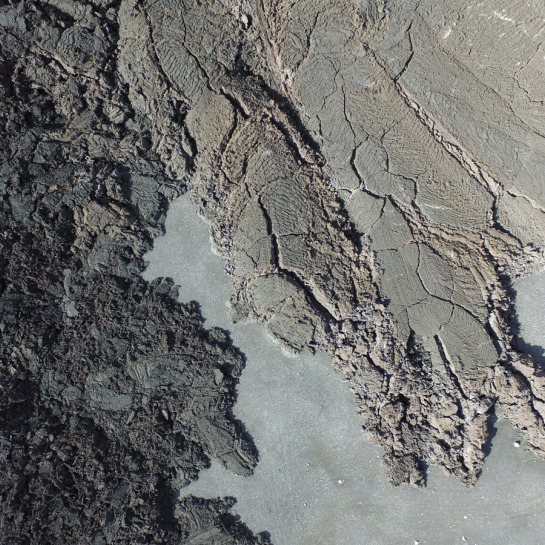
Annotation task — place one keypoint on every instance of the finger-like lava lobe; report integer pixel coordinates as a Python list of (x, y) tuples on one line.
[(360, 212)]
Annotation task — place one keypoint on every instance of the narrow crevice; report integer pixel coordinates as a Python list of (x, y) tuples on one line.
[(449, 366), (319, 307)]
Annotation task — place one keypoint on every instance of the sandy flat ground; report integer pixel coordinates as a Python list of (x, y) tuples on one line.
[(319, 479)]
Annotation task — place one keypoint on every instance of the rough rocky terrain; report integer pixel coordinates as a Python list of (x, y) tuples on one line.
[(113, 395), (374, 177)]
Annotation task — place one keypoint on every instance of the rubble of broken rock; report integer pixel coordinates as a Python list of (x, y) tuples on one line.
[(357, 213), (112, 394)]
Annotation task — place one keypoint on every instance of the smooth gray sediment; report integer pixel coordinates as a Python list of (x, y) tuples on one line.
[(530, 305), (319, 480)]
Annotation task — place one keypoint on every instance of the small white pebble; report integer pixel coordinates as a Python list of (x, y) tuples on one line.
[(340, 481), (416, 542), (465, 516), (516, 444), (464, 538)]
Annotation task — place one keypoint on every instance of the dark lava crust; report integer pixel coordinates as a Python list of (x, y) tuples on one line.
[(112, 394)]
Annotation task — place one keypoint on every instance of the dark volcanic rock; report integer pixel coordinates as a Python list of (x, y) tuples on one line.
[(109, 396)]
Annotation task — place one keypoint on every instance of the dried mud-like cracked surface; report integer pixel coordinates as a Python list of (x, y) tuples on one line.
[(373, 173)]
